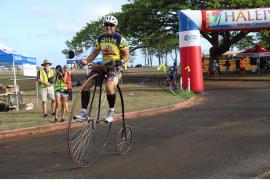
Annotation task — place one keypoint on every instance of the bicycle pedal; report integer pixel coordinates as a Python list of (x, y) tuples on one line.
[(89, 119), (100, 121), (103, 121)]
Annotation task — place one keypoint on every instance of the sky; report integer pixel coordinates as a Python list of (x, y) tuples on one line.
[(40, 28)]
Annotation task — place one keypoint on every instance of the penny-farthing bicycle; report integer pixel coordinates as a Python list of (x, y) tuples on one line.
[(88, 137)]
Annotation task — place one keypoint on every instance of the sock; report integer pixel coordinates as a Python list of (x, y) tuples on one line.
[(111, 109), (111, 100), (85, 98)]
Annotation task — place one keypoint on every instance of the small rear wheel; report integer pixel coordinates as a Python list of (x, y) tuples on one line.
[(124, 140)]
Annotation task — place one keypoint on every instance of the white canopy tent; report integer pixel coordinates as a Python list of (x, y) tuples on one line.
[(80, 57)]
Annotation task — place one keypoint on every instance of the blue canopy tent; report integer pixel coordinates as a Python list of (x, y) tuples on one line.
[(8, 57), (11, 57)]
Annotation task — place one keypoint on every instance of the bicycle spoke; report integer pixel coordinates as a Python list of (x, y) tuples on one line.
[(124, 140), (85, 147), (82, 139), (80, 152), (88, 138), (80, 136)]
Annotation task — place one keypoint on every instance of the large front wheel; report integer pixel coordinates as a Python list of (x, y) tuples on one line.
[(87, 135)]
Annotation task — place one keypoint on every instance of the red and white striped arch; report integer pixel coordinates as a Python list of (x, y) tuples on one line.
[(191, 22)]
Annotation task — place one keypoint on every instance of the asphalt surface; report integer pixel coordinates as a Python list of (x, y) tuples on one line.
[(226, 136)]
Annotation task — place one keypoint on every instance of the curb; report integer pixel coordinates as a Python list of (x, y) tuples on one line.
[(60, 126), (234, 79)]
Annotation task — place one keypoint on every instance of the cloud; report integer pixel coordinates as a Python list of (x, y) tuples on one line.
[(89, 13), (43, 35), (66, 29), (3, 46), (92, 13), (6, 38), (43, 10)]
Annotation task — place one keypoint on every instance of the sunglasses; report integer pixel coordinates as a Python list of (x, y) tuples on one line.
[(108, 24)]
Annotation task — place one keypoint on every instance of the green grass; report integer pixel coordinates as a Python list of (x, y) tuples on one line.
[(136, 98), (139, 100), (185, 94)]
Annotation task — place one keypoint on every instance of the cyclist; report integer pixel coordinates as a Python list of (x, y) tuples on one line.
[(114, 48), (163, 68), (173, 75)]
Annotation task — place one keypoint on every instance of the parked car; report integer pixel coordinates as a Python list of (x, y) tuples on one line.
[(138, 66)]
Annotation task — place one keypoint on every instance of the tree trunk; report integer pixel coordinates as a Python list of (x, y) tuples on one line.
[(228, 39), (145, 57), (176, 56), (166, 59), (215, 53), (150, 59)]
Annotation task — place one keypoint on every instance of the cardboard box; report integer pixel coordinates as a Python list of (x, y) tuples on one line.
[(9, 89), (2, 89)]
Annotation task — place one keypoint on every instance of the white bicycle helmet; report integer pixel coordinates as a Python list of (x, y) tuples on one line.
[(110, 19)]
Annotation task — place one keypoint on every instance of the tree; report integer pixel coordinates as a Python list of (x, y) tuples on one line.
[(86, 37), (264, 38), (247, 42), (154, 24), (150, 20)]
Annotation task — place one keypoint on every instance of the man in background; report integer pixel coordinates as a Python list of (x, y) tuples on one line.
[(45, 79)]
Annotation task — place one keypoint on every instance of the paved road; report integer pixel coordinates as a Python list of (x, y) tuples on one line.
[(227, 136)]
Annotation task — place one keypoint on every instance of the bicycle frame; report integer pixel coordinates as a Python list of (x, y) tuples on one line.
[(123, 109), (125, 134)]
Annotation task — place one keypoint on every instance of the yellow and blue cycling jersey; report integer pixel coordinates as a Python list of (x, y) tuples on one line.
[(111, 46)]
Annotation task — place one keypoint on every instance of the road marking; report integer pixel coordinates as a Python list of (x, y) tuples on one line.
[(263, 175)]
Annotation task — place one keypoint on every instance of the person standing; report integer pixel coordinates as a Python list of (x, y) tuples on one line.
[(173, 76), (243, 66), (258, 63), (215, 68), (61, 94), (237, 64), (227, 65), (45, 79), (69, 85)]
